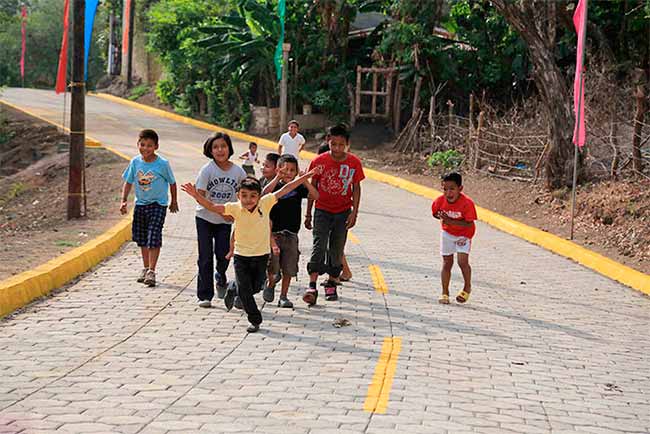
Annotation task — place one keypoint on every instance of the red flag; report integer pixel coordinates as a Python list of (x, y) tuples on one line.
[(22, 31), (580, 24), (126, 28), (61, 75)]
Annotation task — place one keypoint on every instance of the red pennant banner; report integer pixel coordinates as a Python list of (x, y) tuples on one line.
[(61, 75)]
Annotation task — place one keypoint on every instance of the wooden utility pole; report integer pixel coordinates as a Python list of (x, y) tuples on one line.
[(283, 85), (77, 114), (129, 60)]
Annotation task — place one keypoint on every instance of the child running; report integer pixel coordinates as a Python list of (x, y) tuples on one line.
[(252, 238), (285, 220), (292, 141), (152, 175), (250, 159), (217, 181), (337, 208), (457, 214)]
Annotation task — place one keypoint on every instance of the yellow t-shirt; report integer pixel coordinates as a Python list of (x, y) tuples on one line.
[(252, 229)]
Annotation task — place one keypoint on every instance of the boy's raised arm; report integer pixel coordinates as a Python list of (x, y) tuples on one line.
[(296, 182), (190, 189)]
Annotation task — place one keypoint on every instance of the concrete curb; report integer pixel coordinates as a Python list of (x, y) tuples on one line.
[(19, 290), (592, 260)]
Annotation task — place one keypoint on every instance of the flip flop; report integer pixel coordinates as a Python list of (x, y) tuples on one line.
[(463, 297), (444, 299)]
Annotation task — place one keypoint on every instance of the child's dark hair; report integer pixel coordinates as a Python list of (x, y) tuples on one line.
[(148, 134), (207, 146), (340, 130), (294, 122), (250, 183), (453, 177), (273, 157), (252, 144), (288, 158)]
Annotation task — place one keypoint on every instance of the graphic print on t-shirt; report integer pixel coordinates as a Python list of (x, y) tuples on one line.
[(338, 183), (222, 189), (145, 180)]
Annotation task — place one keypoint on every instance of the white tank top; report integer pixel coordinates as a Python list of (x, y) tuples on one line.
[(250, 161)]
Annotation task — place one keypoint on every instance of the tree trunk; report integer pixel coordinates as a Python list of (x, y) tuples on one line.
[(550, 83), (641, 107)]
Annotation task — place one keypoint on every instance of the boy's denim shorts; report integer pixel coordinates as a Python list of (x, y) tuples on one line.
[(148, 221)]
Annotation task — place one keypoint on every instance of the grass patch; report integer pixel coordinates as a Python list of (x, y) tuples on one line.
[(138, 91), (64, 243), (15, 190)]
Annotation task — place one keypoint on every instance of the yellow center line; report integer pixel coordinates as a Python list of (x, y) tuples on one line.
[(353, 238), (378, 279), (382, 381)]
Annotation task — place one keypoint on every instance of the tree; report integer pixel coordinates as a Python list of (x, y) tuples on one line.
[(535, 21)]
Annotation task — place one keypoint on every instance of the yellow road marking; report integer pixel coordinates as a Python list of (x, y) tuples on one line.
[(382, 381), (378, 279), (353, 238)]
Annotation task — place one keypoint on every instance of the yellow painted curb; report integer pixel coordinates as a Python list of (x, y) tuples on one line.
[(599, 263), (19, 290), (90, 142), (382, 381)]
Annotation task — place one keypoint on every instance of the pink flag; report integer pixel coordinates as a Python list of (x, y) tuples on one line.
[(62, 72), (22, 52), (126, 24), (580, 23)]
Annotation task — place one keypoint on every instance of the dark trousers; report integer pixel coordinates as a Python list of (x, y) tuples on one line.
[(214, 242), (329, 233), (250, 272)]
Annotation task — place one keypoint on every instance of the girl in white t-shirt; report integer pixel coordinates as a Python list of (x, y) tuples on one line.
[(250, 158)]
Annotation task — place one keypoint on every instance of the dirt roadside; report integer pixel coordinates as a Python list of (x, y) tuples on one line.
[(33, 190)]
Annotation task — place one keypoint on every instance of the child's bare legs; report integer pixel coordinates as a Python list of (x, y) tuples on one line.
[(284, 290), (463, 263), (445, 274), (150, 257), (346, 274)]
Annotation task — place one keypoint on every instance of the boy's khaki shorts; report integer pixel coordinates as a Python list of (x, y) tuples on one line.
[(287, 260)]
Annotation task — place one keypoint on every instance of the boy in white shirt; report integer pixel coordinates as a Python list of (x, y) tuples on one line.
[(292, 141)]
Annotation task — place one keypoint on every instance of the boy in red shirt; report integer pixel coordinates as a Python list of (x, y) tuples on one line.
[(457, 215), (337, 207)]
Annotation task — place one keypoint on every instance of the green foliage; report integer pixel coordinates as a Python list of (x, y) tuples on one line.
[(139, 91), (449, 159), (15, 190), (43, 42)]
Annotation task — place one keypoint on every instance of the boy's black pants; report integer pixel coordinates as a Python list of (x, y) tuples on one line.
[(330, 233), (250, 272), (214, 242)]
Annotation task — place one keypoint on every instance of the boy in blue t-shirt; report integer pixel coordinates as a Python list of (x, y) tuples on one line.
[(151, 175)]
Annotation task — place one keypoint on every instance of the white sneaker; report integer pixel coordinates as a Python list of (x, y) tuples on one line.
[(150, 278), (205, 303), (142, 275)]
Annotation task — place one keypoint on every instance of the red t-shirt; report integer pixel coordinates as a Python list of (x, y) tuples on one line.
[(462, 209), (336, 180)]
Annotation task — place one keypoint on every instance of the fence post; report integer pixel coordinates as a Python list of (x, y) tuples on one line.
[(450, 106), (477, 142)]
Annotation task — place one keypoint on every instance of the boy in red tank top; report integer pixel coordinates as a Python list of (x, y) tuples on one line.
[(457, 214)]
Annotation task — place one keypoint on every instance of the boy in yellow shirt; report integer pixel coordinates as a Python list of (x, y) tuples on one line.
[(252, 237)]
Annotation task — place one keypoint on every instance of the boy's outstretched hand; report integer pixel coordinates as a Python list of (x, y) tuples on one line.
[(190, 189)]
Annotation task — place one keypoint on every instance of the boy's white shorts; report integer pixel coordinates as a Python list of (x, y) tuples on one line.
[(450, 244)]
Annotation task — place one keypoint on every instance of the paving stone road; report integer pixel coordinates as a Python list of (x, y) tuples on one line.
[(545, 345)]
